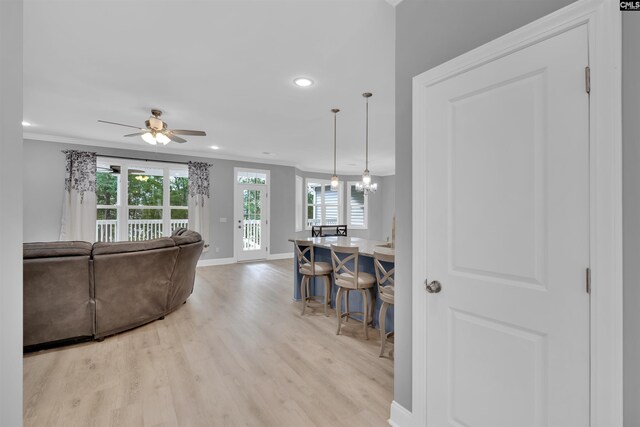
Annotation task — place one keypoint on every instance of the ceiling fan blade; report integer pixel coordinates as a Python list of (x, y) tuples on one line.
[(119, 124), (137, 133), (175, 138), (188, 132)]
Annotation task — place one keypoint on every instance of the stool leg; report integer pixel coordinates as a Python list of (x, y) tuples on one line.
[(382, 321), (327, 293), (339, 307), (303, 288), (347, 307), (365, 312), (373, 304)]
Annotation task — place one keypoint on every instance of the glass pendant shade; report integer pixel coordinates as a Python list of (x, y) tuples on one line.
[(162, 138), (366, 177), (335, 183), (149, 138)]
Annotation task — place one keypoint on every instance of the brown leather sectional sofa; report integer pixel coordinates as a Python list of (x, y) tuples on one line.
[(75, 290)]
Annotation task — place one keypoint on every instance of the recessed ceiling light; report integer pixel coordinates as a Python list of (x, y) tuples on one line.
[(25, 123), (215, 147), (303, 81)]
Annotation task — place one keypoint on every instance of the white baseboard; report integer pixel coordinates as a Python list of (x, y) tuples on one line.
[(233, 260), (400, 416), (285, 255), (216, 261)]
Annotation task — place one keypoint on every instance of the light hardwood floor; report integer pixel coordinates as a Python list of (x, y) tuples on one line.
[(237, 354)]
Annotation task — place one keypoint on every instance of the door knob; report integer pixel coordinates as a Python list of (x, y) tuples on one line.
[(433, 287)]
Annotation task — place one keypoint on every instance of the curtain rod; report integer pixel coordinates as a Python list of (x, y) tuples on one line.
[(143, 160)]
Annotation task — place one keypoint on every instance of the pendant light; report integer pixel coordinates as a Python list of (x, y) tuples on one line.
[(335, 183), (366, 186)]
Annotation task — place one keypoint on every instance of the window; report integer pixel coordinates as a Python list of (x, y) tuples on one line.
[(356, 207), (251, 177), (299, 206), (140, 201), (324, 205)]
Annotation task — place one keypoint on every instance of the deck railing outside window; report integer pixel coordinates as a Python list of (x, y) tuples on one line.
[(138, 229)]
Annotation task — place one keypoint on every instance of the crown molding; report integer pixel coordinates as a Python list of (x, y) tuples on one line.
[(171, 151), (393, 3)]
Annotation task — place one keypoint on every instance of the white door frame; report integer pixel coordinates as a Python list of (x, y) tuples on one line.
[(603, 21), (266, 210)]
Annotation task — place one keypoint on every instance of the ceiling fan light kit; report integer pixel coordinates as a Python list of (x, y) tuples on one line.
[(156, 131)]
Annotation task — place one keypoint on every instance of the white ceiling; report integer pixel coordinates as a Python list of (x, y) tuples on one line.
[(225, 67)]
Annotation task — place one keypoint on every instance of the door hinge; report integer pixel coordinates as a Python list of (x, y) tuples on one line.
[(588, 280), (587, 79)]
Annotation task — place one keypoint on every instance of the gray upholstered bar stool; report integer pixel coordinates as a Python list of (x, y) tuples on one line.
[(309, 268), (350, 279), (386, 287)]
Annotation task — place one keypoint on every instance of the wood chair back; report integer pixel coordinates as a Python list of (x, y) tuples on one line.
[(385, 276), (305, 254), (345, 265)]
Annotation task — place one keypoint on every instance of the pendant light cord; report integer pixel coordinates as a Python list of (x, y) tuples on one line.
[(335, 116), (367, 137)]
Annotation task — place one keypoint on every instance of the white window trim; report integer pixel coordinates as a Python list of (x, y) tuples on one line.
[(323, 205), (123, 206), (366, 209)]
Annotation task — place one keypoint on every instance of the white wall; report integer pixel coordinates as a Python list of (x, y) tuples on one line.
[(11, 213), (43, 172)]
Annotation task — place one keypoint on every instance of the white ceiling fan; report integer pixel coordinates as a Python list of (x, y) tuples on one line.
[(156, 131)]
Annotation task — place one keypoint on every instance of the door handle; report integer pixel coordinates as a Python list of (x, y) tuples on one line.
[(433, 287)]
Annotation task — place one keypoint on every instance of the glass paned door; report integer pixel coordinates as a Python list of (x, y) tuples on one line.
[(251, 220)]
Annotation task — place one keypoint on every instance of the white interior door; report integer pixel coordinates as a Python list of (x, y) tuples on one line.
[(507, 238)]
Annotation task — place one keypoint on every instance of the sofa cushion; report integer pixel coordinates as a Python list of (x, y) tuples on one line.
[(132, 288), (57, 299), (104, 248), (188, 236), (55, 249)]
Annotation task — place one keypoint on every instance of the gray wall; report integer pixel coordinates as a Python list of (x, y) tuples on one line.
[(388, 205), (43, 172), (11, 213), (631, 213), (429, 33)]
